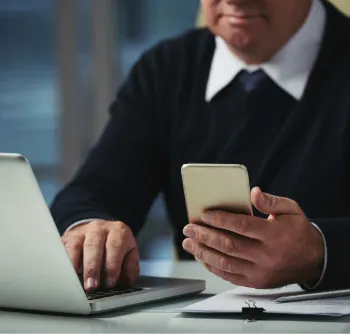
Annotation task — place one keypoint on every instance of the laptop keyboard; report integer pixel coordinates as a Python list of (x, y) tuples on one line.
[(102, 292)]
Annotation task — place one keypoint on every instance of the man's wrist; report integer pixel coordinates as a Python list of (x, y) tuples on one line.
[(320, 266)]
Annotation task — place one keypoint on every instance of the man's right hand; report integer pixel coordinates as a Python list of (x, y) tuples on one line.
[(103, 249)]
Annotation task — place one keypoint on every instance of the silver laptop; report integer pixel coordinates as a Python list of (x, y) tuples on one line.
[(35, 271)]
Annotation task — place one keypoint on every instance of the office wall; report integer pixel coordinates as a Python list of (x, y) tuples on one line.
[(28, 90)]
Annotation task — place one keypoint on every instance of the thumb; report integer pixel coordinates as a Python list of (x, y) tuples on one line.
[(273, 205)]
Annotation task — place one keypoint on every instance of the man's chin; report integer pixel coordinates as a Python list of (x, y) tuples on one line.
[(240, 42)]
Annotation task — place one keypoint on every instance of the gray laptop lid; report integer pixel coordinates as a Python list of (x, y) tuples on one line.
[(35, 271)]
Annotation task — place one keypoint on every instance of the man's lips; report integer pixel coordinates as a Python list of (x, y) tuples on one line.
[(240, 17)]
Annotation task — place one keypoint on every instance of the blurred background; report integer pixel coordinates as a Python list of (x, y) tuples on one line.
[(61, 62)]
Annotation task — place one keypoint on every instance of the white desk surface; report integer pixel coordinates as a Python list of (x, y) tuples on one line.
[(158, 317)]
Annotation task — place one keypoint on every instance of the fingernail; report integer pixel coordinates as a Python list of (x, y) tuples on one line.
[(91, 283), (188, 245), (255, 190), (110, 282), (189, 231), (206, 217)]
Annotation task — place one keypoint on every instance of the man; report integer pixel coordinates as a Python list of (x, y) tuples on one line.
[(265, 86)]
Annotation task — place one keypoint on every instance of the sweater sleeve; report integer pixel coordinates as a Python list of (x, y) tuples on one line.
[(336, 232), (123, 172)]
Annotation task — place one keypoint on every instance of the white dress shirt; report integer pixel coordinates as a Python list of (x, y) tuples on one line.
[(290, 68)]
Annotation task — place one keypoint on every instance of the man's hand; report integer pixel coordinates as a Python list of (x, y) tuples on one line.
[(103, 249), (260, 253)]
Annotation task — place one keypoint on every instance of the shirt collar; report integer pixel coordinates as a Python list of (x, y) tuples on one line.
[(290, 67)]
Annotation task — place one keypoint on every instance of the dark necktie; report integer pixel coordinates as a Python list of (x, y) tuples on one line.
[(250, 81)]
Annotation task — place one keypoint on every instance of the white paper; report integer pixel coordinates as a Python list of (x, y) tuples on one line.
[(232, 302)]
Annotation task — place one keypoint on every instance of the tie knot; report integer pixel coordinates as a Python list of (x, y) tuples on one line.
[(251, 80)]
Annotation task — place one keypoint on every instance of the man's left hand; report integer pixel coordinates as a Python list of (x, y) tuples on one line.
[(260, 253)]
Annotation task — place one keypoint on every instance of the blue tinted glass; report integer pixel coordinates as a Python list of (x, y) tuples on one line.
[(142, 23), (28, 113)]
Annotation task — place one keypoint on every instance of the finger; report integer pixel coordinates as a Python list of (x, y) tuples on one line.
[(225, 242), (274, 205), (74, 248), (130, 268), (80, 270), (249, 226), (216, 259), (118, 244), (94, 246), (199, 261), (235, 279)]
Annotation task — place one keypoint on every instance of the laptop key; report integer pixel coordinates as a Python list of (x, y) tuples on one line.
[(102, 292)]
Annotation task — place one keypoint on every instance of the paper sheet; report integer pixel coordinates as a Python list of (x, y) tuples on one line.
[(232, 302)]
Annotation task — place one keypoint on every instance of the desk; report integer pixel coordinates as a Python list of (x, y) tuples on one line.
[(158, 317)]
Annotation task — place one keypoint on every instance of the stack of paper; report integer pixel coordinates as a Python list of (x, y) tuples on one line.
[(232, 302)]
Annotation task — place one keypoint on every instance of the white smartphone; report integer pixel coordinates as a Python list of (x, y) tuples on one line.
[(216, 187)]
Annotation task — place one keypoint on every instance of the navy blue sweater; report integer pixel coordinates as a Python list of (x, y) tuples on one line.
[(160, 120)]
